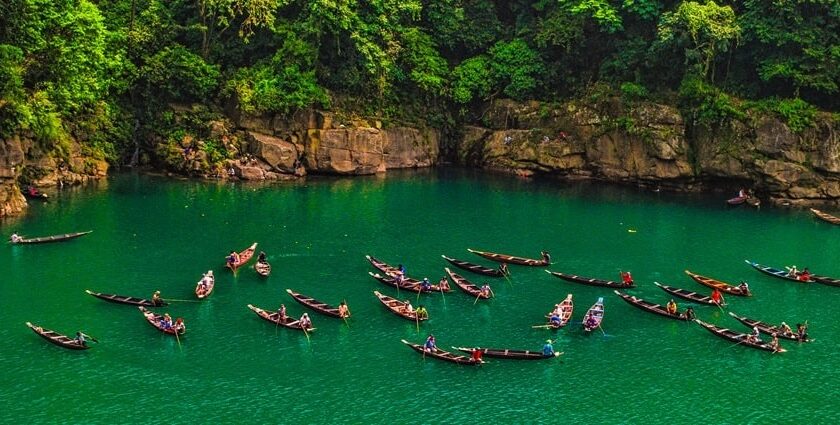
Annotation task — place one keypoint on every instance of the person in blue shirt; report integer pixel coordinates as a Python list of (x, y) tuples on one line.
[(430, 344), (554, 320), (425, 284), (548, 349)]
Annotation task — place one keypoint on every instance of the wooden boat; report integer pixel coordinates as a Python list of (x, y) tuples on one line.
[(33, 193), (412, 285), (596, 312), (314, 304), (53, 238), (825, 216), (205, 292), (466, 285), (122, 299), (154, 320), (767, 328), (56, 338), (475, 268), (738, 337), (651, 307), (781, 274), (443, 355), (589, 281), (825, 280), (503, 258), (567, 307), (398, 307), (263, 269), (244, 257), (504, 353), (738, 200), (687, 295), (721, 286), (287, 322), (382, 266)]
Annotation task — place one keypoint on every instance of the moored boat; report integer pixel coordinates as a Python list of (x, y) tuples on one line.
[(687, 295), (504, 258), (768, 329), (721, 286), (651, 307), (287, 322), (407, 284), (466, 285), (314, 304), (263, 269), (398, 307), (825, 216), (156, 319), (781, 274), (740, 338), (205, 286), (122, 299), (475, 268), (589, 281), (442, 355), (244, 257), (504, 353), (48, 239), (594, 316), (56, 338)]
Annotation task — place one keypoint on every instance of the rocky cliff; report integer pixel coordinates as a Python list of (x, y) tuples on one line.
[(651, 144)]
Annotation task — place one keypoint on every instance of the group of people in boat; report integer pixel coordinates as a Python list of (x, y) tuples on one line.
[(15, 238), (561, 310), (304, 321), (206, 282), (166, 324), (672, 308), (802, 276), (420, 312)]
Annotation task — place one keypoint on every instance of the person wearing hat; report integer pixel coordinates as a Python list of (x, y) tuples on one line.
[(157, 301), (548, 349), (425, 285), (305, 321), (671, 307), (785, 328), (744, 287), (430, 344)]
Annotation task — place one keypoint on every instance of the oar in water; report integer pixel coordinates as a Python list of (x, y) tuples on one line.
[(91, 338), (178, 338), (305, 332), (180, 301), (541, 326), (443, 294), (417, 321)]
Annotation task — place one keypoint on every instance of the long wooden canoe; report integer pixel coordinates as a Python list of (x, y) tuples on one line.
[(589, 281), (244, 257), (825, 216), (466, 285), (398, 307), (475, 268), (389, 270), (442, 355), (56, 338), (314, 304), (767, 328), (154, 320), (287, 322), (504, 258), (738, 337), (407, 284), (721, 286), (53, 238), (781, 274), (122, 299), (504, 353), (687, 295), (825, 280), (651, 307)]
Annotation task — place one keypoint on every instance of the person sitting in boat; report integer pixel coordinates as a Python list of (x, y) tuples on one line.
[(179, 326), (425, 285), (475, 355), (755, 336), (548, 348), (626, 278), (261, 258), (546, 257), (80, 339), (792, 272), (744, 287), (742, 193), (554, 320), (785, 328), (304, 321), (281, 312), (408, 307), (689, 313), (774, 343), (804, 276), (717, 297), (233, 258), (485, 290), (15, 238), (208, 278), (801, 332), (430, 344), (503, 269), (401, 269), (443, 284), (166, 322), (343, 310), (591, 322), (422, 313), (671, 307), (157, 301)]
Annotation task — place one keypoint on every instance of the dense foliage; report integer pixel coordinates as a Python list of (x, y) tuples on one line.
[(100, 70)]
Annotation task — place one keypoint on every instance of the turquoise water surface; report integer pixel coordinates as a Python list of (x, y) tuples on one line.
[(153, 233)]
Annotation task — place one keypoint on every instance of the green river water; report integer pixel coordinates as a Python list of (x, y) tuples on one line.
[(232, 367)]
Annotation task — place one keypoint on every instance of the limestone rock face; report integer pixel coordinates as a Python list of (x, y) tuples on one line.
[(406, 147), (276, 152), (346, 151)]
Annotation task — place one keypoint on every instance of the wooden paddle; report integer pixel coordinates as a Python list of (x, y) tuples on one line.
[(417, 321), (178, 338), (91, 338), (476, 298), (180, 301)]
